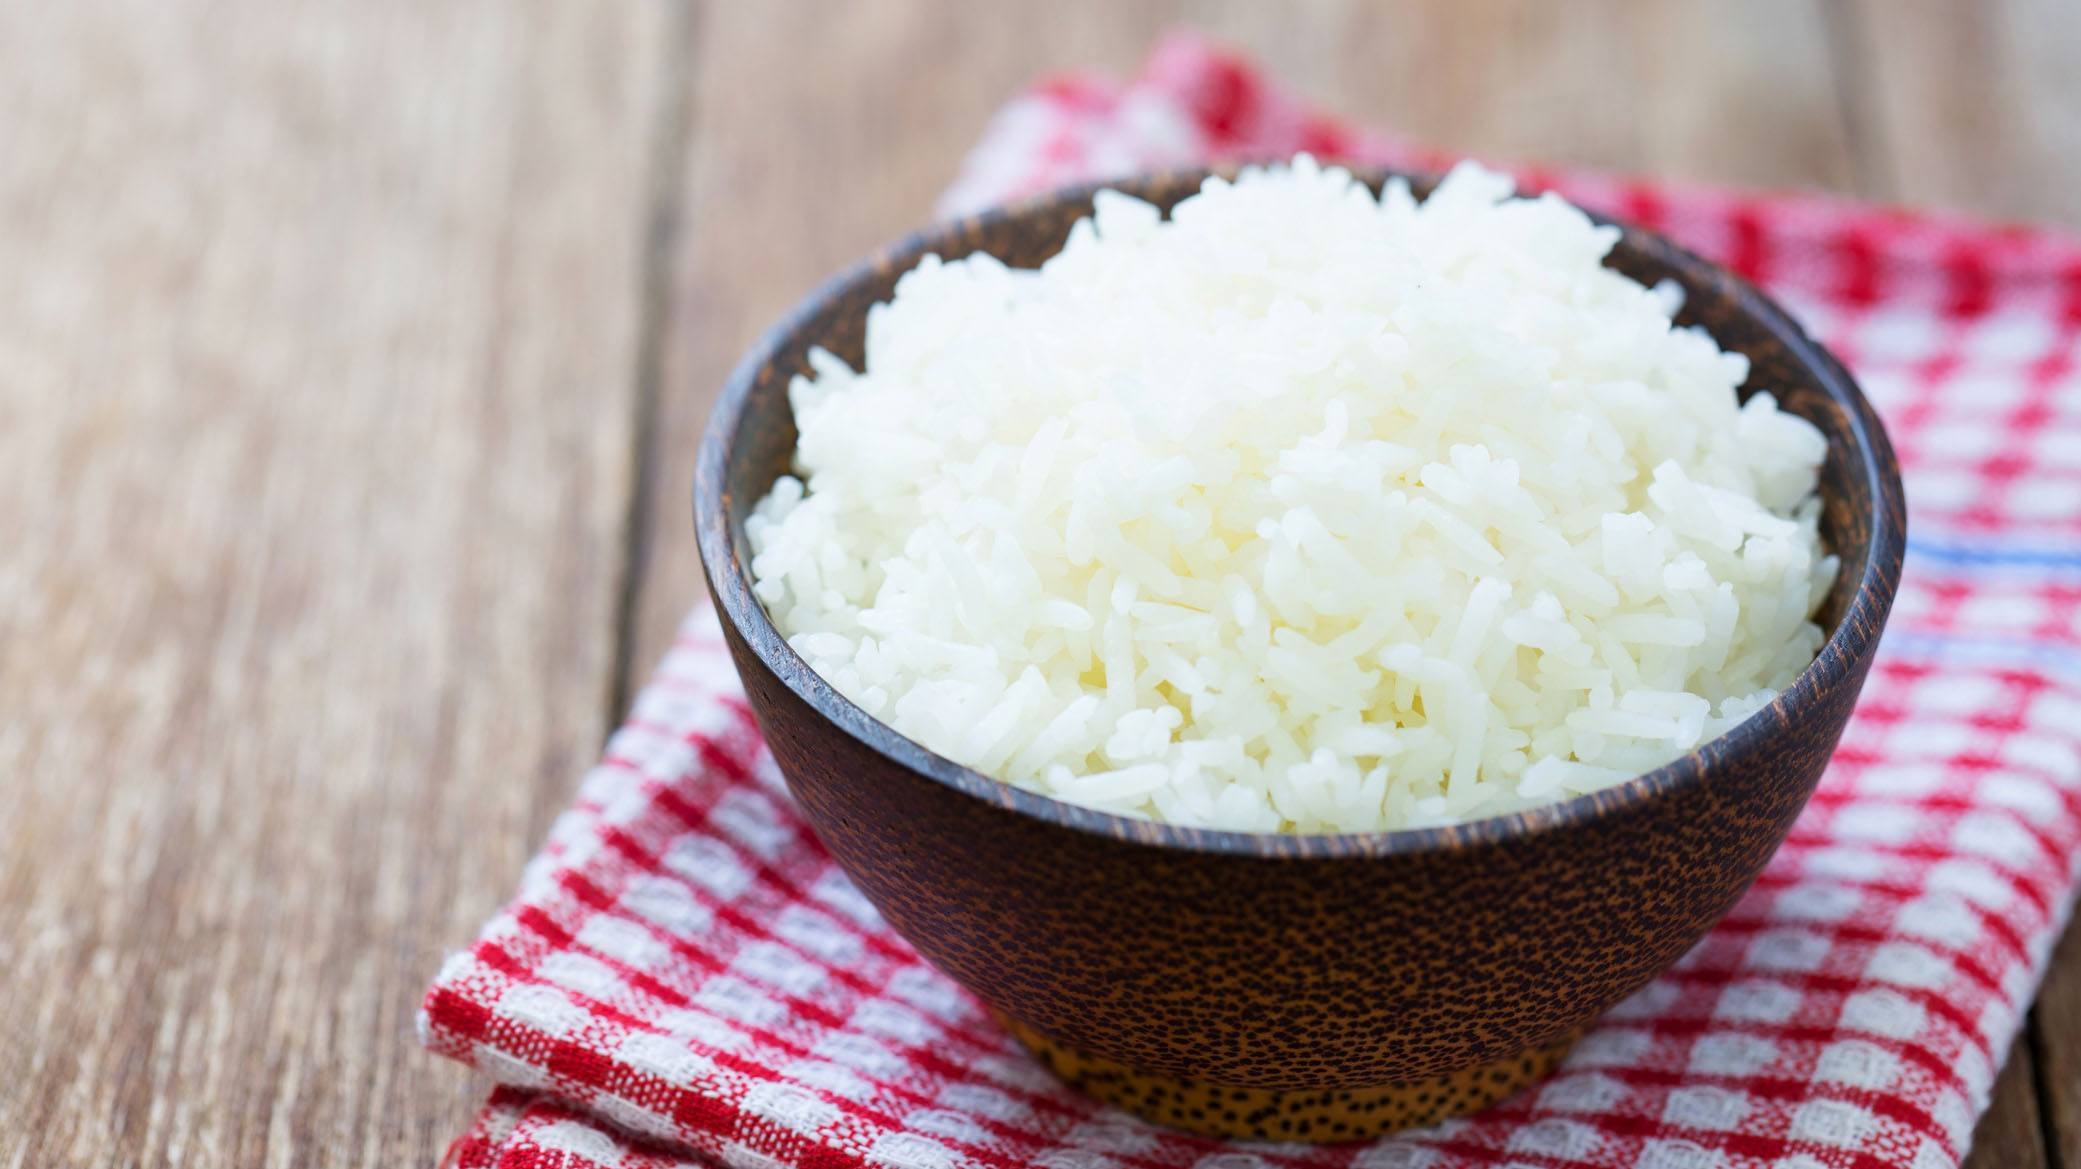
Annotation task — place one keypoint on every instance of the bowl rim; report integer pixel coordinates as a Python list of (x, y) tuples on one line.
[(1840, 659)]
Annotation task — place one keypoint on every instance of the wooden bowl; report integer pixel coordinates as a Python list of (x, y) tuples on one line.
[(1307, 987)]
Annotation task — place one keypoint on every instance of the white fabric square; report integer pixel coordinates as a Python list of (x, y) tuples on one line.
[(1953, 1115), (623, 941), (734, 998), (664, 1057), (2018, 981), (708, 864), (2031, 796), (864, 1053), (1650, 1001), (1073, 1159), (981, 1100), (773, 965), (543, 1008), (892, 1021), (749, 818), (1907, 964), (631, 1116), (1610, 1048), (1817, 902), (2045, 498), (834, 892), (1757, 1002), (789, 1106), (1883, 1012), (1881, 823), (1903, 780), (507, 1069), (1940, 919), (2055, 449), (944, 1122), (697, 1026), (1940, 488), (2010, 337), (1395, 1156), (667, 902), (816, 934), (674, 707), (577, 1139), (1849, 864), (1231, 1161), (1973, 880), (1668, 1154), (1832, 1122), (582, 974), (1974, 437), (1732, 1054), (1013, 1070), (1554, 1137), (1704, 1106), (1997, 1022), (1998, 837), (1999, 611), (930, 991), (659, 756), (1857, 1063), (1791, 950), (842, 1082), (1898, 333), (1582, 1092), (2056, 708), (1112, 1134)]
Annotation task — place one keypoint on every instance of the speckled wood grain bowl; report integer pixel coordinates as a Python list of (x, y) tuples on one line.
[(1296, 987)]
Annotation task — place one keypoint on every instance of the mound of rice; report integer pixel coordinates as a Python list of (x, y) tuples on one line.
[(1298, 511)]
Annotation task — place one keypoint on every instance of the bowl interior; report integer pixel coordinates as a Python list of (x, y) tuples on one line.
[(751, 440)]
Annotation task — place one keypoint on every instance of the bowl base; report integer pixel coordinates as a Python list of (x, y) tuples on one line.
[(1283, 1114)]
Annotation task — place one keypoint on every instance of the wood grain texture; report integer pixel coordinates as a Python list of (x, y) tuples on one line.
[(320, 370), (2011, 1134), (2058, 1032), (1972, 106), (317, 344)]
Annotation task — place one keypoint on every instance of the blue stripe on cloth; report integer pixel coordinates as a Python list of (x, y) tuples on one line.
[(1965, 552), (2060, 660)]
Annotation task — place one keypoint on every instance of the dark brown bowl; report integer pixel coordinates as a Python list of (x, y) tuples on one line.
[(1300, 986)]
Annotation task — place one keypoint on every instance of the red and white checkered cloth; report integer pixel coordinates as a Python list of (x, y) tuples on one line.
[(686, 979)]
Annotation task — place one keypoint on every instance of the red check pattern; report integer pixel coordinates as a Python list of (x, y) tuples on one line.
[(685, 978)]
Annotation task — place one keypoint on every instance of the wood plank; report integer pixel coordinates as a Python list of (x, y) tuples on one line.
[(2058, 1020), (1697, 90), (1972, 105), (799, 170), (2011, 1133), (315, 437)]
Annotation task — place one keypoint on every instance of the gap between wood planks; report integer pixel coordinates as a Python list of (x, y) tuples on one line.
[(671, 149)]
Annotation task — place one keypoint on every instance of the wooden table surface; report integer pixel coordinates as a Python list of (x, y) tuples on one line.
[(352, 358)]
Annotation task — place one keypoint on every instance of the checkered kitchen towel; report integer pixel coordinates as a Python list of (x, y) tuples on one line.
[(685, 978)]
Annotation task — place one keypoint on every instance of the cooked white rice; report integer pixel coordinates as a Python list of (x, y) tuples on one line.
[(1299, 511)]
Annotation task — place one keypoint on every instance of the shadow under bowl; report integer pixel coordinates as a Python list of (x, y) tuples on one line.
[(1300, 987)]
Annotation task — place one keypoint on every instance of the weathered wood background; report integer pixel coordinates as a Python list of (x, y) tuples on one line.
[(352, 358)]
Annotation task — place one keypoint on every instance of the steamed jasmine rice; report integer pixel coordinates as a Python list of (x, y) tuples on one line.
[(1298, 511)]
